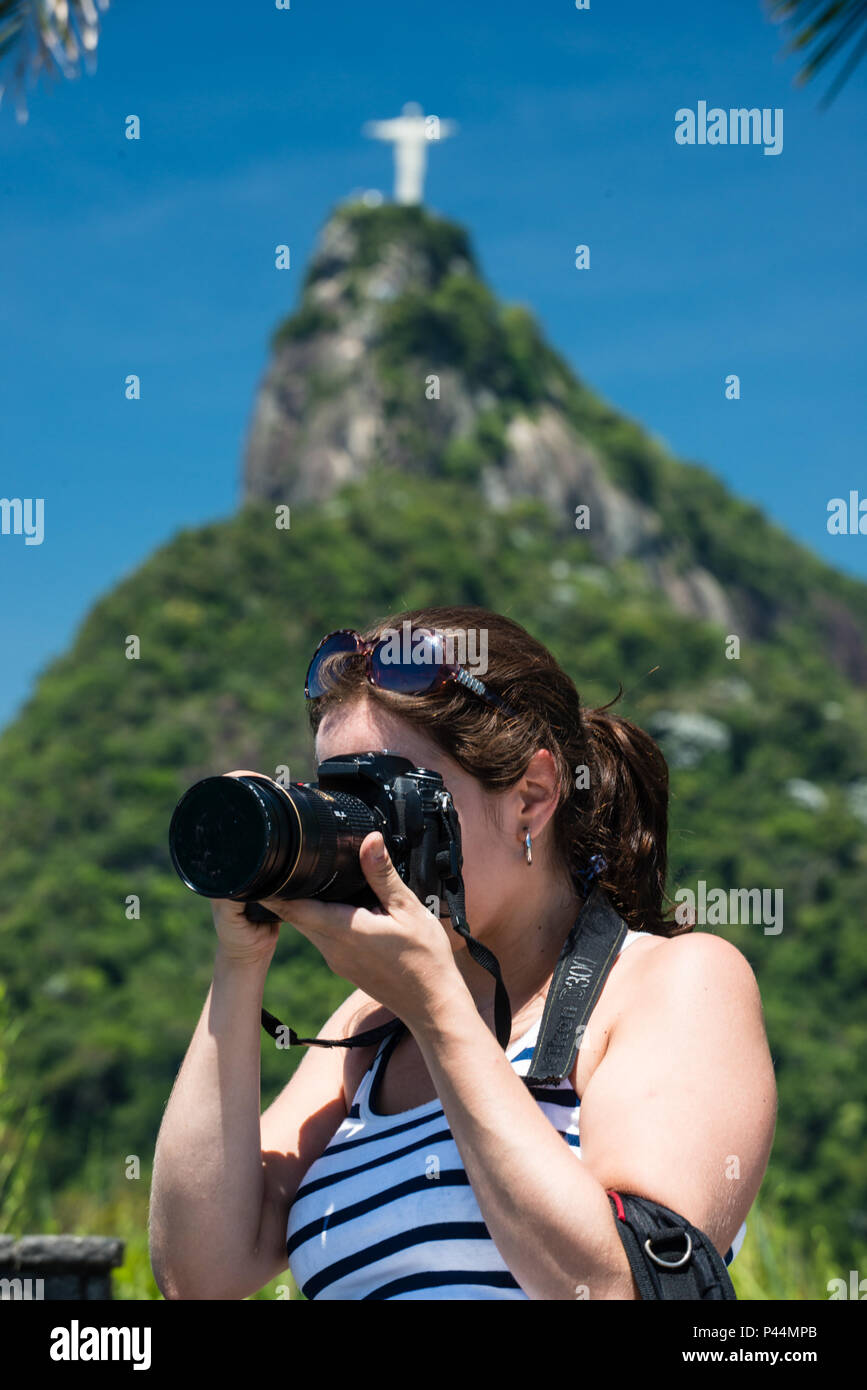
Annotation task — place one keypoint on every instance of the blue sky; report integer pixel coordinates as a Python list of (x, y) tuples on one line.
[(157, 256)]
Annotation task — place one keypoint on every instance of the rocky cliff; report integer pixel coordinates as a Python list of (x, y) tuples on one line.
[(399, 356)]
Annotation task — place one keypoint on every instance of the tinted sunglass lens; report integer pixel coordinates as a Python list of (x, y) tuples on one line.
[(409, 664), (329, 661)]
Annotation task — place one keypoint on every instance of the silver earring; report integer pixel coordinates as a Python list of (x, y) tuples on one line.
[(528, 845)]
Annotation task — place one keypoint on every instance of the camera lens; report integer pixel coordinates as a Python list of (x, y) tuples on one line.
[(247, 838), (226, 833)]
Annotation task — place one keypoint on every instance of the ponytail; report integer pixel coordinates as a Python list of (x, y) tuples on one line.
[(624, 818)]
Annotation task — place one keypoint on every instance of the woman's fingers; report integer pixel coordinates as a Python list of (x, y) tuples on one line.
[(383, 877), (312, 914)]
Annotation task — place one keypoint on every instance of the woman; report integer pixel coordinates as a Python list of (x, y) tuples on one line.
[(425, 1167)]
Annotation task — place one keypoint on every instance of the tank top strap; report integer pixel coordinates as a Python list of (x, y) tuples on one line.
[(632, 936), (362, 1090)]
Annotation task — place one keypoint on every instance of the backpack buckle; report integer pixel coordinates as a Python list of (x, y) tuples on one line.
[(670, 1264)]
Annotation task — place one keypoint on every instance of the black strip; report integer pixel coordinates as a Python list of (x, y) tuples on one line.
[(318, 1183), (495, 1279), (442, 1230), (386, 1134), (553, 1097), (447, 1177)]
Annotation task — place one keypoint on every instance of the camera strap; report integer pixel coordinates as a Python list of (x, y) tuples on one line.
[(287, 1037), (588, 953), (449, 864)]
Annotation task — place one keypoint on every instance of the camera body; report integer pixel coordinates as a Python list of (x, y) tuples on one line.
[(406, 802), (249, 838)]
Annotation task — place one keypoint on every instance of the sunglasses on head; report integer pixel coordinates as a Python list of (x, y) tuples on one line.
[(403, 667)]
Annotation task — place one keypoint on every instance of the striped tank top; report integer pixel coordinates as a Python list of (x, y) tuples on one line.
[(387, 1211)]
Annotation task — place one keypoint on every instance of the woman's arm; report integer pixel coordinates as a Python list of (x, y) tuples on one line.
[(684, 1100), (224, 1180), (680, 1109), (207, 1192)]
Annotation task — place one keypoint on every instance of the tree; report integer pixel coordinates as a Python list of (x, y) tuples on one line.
[(825, 30), (22, 1126), (54, 35)]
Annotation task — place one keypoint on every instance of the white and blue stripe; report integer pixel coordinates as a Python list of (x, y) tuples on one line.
[(387, 1211)]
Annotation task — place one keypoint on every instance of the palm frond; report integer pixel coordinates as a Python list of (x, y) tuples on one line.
[(822, 30), (51, 36)]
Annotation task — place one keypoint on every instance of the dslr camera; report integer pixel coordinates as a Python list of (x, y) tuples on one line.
[(249, 838)]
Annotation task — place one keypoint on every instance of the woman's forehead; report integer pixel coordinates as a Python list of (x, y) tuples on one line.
[(364, 727)]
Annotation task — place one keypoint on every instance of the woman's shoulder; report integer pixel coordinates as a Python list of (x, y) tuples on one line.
[(691, 954), (695, 961), (676, 975), (691, 968)]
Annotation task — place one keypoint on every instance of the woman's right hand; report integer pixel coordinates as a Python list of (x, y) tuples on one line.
[(240, 940)]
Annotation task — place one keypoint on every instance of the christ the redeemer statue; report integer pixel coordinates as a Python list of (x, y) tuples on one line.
[(410, 133)]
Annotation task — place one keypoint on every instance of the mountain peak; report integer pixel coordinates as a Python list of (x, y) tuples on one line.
[(392, 297), (360, 239), (399, 357)]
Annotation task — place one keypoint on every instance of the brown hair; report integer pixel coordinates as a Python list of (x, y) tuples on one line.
[(622, 811)]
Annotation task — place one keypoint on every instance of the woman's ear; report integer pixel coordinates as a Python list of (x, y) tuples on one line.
[(538, 791)]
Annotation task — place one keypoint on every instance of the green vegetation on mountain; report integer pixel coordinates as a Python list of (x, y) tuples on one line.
[(105, 956)]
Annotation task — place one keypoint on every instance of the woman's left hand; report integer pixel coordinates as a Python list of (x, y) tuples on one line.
[(398, 955)]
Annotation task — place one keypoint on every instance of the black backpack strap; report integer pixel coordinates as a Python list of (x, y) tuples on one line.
[(588, 953), (669, 1257)]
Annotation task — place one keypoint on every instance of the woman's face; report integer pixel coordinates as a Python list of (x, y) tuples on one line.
[(493, 853)]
